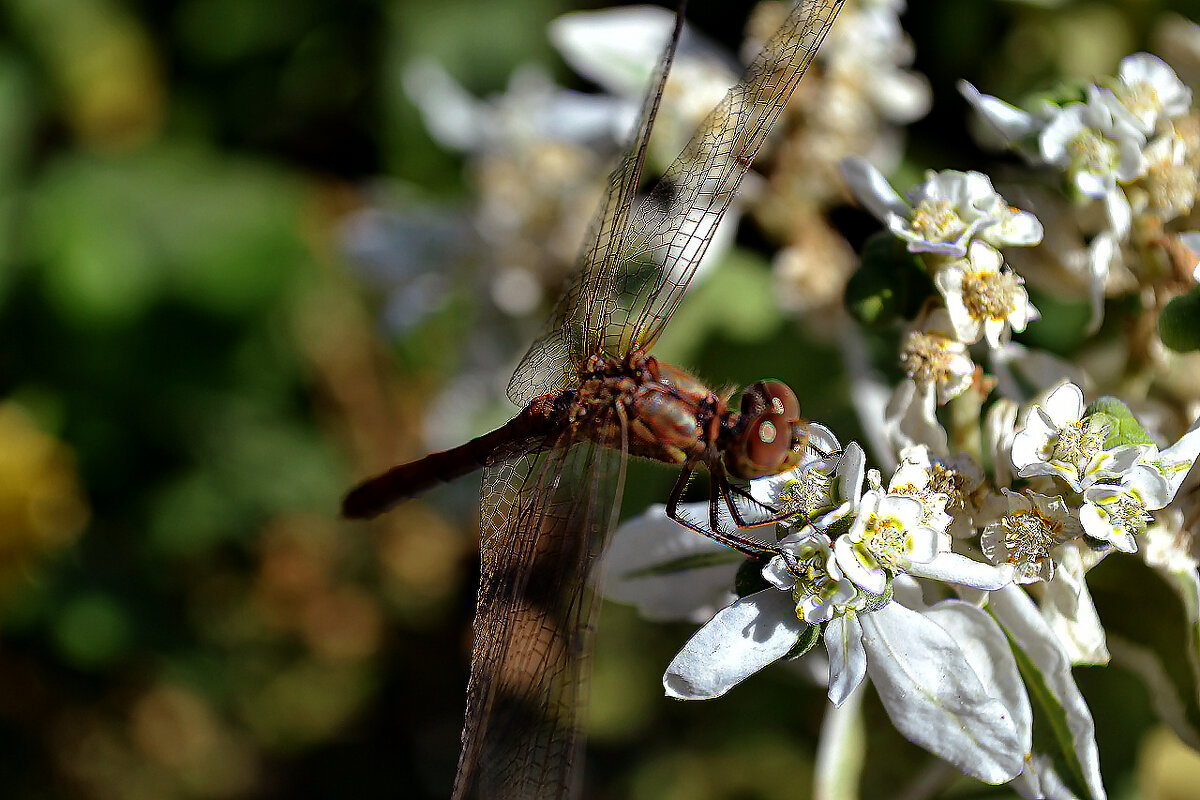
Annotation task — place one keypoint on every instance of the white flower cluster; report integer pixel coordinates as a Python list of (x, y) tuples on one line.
[(956, 223), (915, 582), (857, 560), (1130, 146)]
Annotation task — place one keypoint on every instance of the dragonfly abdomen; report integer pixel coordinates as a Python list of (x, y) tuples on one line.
[(371, 498)]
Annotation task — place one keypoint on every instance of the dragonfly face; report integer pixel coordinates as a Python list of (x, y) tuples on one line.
[(772, 437), (553, 475)]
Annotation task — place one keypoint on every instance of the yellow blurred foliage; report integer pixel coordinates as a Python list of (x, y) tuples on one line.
[(41, 503), (1167, 768)]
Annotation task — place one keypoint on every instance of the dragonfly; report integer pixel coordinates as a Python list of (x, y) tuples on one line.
[(592, 395)]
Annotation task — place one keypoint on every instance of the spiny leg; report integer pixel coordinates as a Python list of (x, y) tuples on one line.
[(740, 543)]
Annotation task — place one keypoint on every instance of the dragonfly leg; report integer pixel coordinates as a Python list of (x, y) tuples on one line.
[(728, 489), (740, 543)]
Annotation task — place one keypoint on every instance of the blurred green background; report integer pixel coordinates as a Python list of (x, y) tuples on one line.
[(192, 372)]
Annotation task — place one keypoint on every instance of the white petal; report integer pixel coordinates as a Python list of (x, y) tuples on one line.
[(955, 568), (987, 651), (778, 575), (1055, 138), (1183, 452), (846, 552), (1099, 525), (1150, 484), (1068, 609), (1021, 620), (1065, 404), (1117, 462), (616, 48), (847, 658), (741, 639), (453, 117), (870, 188), (911, 418), (902, 97), (638, 564), (934, 697), (823, 439), (1008, 121), (925, 542)]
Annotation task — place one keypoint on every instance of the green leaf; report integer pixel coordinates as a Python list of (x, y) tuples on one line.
[(889, 284), (1152, 626), (1124, 427), (811, 635), (1179, 322), (1052, 735), (690, 561), (749, 577)]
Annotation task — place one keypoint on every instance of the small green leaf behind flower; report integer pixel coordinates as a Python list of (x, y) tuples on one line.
[(1123, 427), (890, 283), (1179, 322)]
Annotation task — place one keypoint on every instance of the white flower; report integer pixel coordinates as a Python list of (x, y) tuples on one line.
[(911, 418), (931, 354), (533, 111), (1170, 180), (865, 54), (1057, 439), (1117, 513), (1098, 143), (946, 214), (1027, 532), (822, 490), (983, 299), (1175, 462), (619, 48), (806, 567), (941, 485), (886, 538), (1151, 91), (915, 477)]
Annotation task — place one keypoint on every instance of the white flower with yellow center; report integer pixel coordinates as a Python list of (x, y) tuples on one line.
[(915, 478), (1058, 439), (1151, 91), (1170, 180), (886, 538), (807, 568), (1098, 143), (1117, 513), (931, 354), (946, 214), (822, 490), (983, 298), (1026, 533)]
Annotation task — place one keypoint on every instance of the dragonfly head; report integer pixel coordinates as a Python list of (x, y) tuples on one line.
[(770, 436)]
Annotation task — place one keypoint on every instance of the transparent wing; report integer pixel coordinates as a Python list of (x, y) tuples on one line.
[(635, 272), (545, 517), (559, 354), (676, 222)]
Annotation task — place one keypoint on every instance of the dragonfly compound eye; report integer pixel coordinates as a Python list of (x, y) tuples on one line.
[(767, 446), (771, 396)]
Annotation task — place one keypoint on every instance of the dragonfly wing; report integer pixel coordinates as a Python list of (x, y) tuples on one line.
[(676, 221), (545, 517), (559, 354)]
